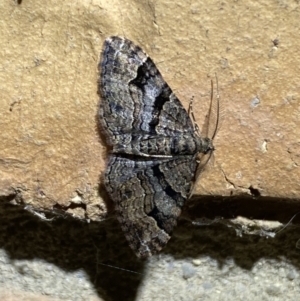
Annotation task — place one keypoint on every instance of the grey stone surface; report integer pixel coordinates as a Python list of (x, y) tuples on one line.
[(67, 259)]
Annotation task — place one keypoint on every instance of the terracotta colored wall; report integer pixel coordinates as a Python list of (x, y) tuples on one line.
[(51, 152)]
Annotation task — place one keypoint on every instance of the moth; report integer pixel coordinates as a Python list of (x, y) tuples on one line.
[(154, 143)]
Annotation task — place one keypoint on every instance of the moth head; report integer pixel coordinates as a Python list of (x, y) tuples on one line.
[(207, 146)]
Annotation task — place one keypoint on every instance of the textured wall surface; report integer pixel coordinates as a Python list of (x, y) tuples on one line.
[(52, 154), (51, 151)]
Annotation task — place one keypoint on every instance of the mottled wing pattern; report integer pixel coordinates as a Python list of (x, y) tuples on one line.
[(154, 157), (135, 98), (149, 195)]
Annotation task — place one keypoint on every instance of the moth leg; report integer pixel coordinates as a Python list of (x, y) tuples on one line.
[(192, 116)]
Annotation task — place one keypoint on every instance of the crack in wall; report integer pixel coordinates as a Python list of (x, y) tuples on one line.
[(250, 189)]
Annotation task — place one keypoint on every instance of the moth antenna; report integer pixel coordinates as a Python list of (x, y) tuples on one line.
[(217, 110), (213, 117), (212, 124)]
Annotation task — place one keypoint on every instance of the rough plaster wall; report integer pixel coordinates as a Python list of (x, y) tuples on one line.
[(51, 153)]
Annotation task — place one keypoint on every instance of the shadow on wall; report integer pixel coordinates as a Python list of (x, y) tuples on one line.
[(72, 244)]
